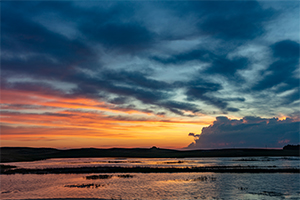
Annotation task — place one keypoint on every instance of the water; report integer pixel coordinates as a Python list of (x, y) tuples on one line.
[(155, 185), (282, 162)]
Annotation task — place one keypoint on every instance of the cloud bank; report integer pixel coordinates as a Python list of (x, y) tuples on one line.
[(115, 50), (247, 132)]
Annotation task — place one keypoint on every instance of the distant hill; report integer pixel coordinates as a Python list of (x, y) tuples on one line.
[(292, 147), (17, 154)]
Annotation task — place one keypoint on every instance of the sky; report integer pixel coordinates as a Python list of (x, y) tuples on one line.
[(171, 74)]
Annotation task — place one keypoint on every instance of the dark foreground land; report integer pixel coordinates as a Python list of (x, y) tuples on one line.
[(18, 154)]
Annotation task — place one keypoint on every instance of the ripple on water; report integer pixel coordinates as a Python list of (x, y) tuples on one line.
[(156, 185)]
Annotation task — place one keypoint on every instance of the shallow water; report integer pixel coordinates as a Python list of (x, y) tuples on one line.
[(282, 162), (155, 185)]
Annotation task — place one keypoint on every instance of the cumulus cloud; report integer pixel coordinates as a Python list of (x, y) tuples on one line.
[(247, 132)]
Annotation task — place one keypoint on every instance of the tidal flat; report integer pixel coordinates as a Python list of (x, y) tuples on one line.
[(153, 186), (164, 178)]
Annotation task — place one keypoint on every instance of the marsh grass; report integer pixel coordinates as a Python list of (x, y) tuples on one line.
[(203, 178), (125, 176), (93, 177), (104, 176), (243, 188), (4, 168), (91, 185)]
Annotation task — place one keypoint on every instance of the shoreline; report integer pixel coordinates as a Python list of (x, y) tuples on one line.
[(90, 170)]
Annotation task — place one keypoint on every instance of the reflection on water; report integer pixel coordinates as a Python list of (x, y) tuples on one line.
[(161, 162), (154, 185)]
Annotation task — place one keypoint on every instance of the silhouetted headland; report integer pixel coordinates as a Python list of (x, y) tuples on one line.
[(18, 154)]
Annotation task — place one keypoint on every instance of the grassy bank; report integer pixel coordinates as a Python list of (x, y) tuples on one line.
[(17, 154)]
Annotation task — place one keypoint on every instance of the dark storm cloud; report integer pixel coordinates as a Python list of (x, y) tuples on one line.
[(33, 48), (111, 83), (29, 48), (179, 107), (218, 64), (226, 67), (281, 73), (286, 49), (242, 20), (112, 25), (90, 87), (248, 132), (201, 90), (238, 99), (55, 56), (199, 93), (291, 98), (236, 21), (135, 78), (159, 97), (127, 36), (28, 36)]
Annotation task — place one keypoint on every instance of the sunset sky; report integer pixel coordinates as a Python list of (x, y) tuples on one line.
[(171, 74)]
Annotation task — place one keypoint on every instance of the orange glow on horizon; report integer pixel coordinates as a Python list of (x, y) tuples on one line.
[(82, 122)]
